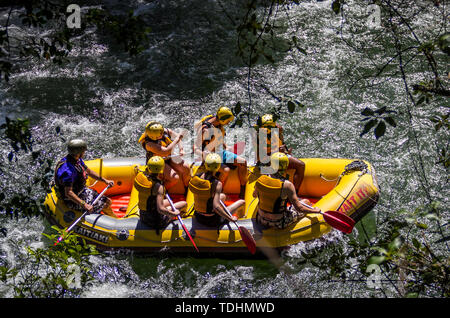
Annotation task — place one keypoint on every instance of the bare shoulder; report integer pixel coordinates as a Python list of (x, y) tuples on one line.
[(218, 185), (288, 188)]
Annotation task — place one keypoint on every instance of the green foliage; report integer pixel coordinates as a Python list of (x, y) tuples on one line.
[(56, 271), (240, 114), (18, 133), (416, 264), (443, 42), (378, 119), (336, 6), (56, 44), (53, 46), (257, 34), (20, 203), (409, 265)]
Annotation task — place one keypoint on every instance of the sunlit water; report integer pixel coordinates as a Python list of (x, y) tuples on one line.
[(188, 70)]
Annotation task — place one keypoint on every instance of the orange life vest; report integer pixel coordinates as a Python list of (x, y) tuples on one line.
[(207, 138), (164, 141)]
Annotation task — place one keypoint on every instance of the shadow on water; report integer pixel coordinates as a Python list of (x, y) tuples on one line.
[(192, 48), (153, 265), (191, 54), (64, 95)]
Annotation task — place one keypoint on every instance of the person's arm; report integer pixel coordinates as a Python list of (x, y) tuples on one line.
[(67, 179), (72, 196), (95, 176), (218, 207), (160, 203), (180, 144), (162, 150), (295, 201)]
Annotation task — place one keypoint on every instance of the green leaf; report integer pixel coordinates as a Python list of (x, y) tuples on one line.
[(410, 220), (395, 244), (416, 243), (301, 50), (421, 225), (433, 216), (380, 129), (237, 108), (379, 250), (391, 121), (421, 100), (299, 104), (336, 6), (269, 58), (367, 112), (376, 260), (291, 106), (368, 126)]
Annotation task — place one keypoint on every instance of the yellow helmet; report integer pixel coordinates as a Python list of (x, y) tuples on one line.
[(267, 121), (154, 130), (279, 161), (155, 165), (224, 115), (213, 162)]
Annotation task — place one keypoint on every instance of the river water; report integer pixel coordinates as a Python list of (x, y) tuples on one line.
[(189, 68)]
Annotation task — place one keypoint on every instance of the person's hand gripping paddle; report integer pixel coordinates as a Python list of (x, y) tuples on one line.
[(70, 228), (181, 222)]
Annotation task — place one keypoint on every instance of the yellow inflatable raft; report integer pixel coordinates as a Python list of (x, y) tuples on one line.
[(346, 185)]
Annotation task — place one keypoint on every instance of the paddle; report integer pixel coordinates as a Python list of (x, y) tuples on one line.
[(245, 234), (181, 222), (336, 219), (83, 215)]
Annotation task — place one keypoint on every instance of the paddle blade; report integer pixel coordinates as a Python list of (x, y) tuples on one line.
[(339, 221), (248, 239)]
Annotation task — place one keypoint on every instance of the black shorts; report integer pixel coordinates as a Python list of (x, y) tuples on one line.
[(290, 216), (154, 219), (212, 221)]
